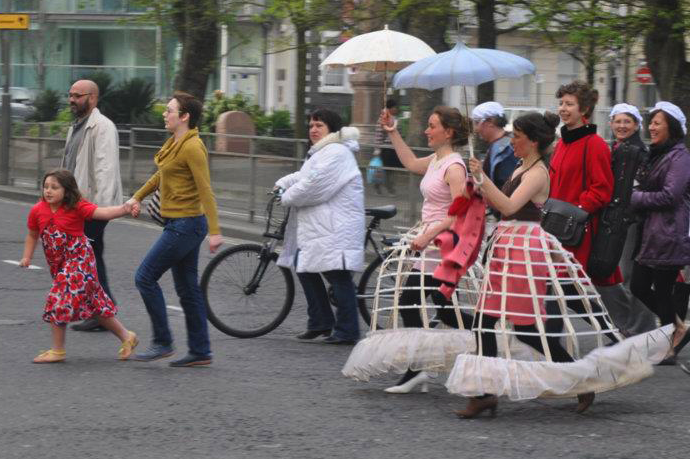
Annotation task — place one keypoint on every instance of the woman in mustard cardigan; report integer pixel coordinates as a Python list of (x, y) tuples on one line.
[(189, 208)]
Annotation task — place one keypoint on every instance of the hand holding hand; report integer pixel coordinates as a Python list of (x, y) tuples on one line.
[(25, 262), (133, 207), (214, 241), (476, 167)]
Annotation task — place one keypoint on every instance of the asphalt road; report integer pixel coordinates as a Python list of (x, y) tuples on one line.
[(271, 397)]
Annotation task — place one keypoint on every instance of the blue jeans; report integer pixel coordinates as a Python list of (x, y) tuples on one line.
[(178, 250), (345, 324)]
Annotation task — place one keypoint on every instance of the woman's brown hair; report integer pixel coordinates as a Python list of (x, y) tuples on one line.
[(66, 181), (451, 118), (191, 105), (587, 97)]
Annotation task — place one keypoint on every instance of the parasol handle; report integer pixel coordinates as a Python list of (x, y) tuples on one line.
[(477, 180), (385, 80)]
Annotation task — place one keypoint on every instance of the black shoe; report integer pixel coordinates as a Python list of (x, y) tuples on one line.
[(90, 325), (333, 340), (191, 360), (311, 334), (668, 361)]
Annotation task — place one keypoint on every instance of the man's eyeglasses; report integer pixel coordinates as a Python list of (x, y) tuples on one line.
[(74, 95)]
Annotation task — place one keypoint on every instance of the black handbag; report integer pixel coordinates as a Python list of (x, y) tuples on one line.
[(564, 220)]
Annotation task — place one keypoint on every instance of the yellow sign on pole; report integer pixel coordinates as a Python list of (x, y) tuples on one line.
[(14, 21)]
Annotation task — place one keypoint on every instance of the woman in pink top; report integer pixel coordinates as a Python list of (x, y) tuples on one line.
[(444, 179)]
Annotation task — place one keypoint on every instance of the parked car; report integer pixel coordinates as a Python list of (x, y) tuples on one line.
[(22, 95), (21, 103)]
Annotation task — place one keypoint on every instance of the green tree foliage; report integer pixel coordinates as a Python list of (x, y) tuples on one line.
[(196, 24), (588, 30), (305, 16)]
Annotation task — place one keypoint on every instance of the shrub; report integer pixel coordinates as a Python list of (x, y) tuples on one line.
[(47, 105), (61, 123), (129, 102), (280, 124), (132, 101), (238, 102)]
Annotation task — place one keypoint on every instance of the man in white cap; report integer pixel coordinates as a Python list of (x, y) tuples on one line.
[(489, 122)]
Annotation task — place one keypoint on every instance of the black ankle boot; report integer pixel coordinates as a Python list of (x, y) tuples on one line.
[(407, 376)]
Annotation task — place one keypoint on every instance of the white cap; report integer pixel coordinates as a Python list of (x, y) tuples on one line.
[(487, 110), (674, 111), (626, 109)]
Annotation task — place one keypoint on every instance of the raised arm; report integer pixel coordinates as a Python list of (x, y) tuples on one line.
[(405, 154)]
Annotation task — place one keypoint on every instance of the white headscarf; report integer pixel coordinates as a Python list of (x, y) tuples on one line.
[(674, 111), (626, 109), (487, 110)]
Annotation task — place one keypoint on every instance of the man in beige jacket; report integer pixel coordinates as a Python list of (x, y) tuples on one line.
[(92, 154)]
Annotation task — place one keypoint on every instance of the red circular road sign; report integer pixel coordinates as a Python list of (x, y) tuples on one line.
[(644, 75)]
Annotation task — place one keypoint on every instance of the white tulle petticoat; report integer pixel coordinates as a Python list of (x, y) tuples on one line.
[(531, 285), (389, 346), (603, 369)]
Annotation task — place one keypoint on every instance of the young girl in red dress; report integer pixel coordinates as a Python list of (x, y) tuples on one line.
[(58, 219)]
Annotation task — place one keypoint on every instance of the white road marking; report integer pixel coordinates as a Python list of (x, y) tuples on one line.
[(16, 263), (174, 308)]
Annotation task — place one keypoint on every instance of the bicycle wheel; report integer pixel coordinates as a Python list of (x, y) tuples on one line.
[(237, 312), (366, 290)]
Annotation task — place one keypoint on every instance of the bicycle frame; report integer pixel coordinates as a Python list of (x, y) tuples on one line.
[(265, 256)]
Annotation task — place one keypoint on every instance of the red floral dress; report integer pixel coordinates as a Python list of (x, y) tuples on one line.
[(76, 293)]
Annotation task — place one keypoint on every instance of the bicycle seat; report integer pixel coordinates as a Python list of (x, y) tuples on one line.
[(383, 212)]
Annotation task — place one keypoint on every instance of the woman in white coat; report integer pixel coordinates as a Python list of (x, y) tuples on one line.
[(325, 232)]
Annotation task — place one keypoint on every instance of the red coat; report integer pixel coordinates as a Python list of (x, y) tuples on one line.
[(566, 169)]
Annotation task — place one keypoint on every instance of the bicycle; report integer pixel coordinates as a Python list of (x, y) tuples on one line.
[(242, 283)]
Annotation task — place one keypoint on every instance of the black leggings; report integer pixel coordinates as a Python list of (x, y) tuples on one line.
[(660, 299), (490, 348), (413, 295), (555, 324)]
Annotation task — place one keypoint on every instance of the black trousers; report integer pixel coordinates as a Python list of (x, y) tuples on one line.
[(490, 348), (659, 300), (94, 230), (412, 317), (555, 325)]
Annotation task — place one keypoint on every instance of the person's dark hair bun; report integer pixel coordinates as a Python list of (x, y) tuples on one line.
[(552, 120)]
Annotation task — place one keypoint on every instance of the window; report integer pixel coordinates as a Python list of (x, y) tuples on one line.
[(333, 79), (568, 68), (520, 89)]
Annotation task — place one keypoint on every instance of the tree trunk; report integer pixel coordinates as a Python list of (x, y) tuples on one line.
[(591, 60), (301, 84), (665, 52), (486, 38), (197, 28), (431, 28)]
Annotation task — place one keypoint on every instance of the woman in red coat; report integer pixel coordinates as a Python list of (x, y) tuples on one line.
[(580, 171)]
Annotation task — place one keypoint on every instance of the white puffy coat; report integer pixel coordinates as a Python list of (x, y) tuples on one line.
[(327, 199)]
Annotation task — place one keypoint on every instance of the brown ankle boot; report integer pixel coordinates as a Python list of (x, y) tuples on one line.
[(584, 400), (477, 405)]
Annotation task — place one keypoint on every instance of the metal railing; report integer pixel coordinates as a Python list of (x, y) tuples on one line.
[(241, 172)]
